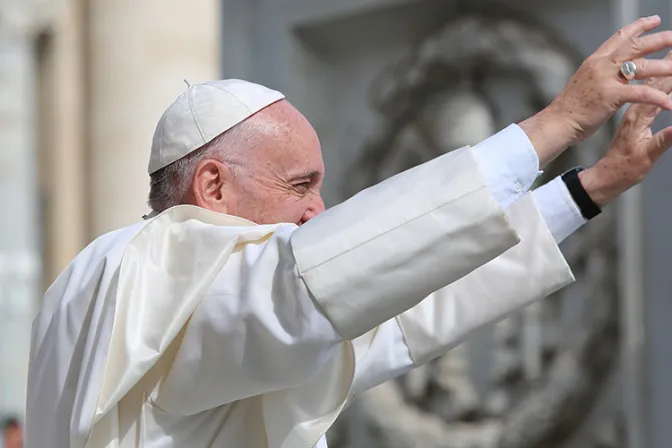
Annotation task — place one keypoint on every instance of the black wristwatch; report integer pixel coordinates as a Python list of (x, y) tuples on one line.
[(588, 208)]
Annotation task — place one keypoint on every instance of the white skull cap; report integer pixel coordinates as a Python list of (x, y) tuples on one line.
[(203, 112)]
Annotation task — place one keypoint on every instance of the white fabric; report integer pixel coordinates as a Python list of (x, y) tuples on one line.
[(198, 329), (559, 210), (510, 165), (417, 336), (203, 112), (386, 356), (523, 274), (514, 277), (440, 203)]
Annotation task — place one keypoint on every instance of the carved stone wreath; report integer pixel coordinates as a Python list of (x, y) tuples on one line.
[(551, 360)]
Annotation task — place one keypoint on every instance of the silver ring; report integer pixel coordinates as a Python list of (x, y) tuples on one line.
[(629, 70)]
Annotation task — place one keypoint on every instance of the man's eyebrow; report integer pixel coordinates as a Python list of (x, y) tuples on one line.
[(306, 175)]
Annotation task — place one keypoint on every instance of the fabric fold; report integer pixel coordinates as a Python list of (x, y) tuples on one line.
[(365, 268)]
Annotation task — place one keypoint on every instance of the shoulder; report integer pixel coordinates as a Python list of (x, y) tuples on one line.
[(106, 249), (109, 244)]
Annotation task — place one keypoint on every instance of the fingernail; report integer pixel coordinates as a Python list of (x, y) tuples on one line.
[(654, 17)]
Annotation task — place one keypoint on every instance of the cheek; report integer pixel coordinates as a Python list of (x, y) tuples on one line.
[(269, 209), (284, 211), (264, 205)]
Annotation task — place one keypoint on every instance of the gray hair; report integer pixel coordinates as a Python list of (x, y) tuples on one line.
[(169, 185)]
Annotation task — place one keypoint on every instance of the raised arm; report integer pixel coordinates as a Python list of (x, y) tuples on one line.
[(529, 271)]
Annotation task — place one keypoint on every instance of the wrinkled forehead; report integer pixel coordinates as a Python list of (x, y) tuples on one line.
[(286, 140)]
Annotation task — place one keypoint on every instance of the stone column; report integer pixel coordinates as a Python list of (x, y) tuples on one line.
[(62, 131), (19, 215), (139, 53)]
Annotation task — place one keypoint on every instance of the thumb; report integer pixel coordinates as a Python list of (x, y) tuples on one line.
[(662, 140), (641, 114)]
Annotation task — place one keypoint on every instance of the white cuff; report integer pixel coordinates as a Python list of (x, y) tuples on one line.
[(527, 272), (558, 208), (509, 164)]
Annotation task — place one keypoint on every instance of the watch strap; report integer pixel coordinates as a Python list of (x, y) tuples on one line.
[(589, 209)]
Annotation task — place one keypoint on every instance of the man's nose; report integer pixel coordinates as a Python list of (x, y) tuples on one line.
[(315, 208)]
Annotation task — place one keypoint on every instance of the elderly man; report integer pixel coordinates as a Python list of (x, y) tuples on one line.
[(235, 316)]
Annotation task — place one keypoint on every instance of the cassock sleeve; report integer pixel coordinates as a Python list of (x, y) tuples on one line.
[(278, 309), (379, 253), (529, 271)]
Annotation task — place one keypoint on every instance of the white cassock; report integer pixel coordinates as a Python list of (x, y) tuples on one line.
[(195, 329)]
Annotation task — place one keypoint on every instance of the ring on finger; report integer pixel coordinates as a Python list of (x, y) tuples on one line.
[(629, 70)]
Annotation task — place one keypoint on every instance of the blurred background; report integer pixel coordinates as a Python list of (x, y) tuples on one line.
[(387, 84)]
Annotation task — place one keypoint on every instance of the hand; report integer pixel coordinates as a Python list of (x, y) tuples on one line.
[(633, 152), (597, 90)]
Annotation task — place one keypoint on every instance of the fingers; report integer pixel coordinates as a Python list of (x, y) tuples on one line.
[(662, 84), (661, 141), (640, 46), (653, 68), (645, 94), (641, 115), (628, 32), (646, 113)]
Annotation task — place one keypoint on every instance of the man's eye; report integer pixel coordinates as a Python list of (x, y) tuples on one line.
[(303, 185)]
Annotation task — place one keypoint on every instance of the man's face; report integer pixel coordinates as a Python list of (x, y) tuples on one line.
[(282, 171)]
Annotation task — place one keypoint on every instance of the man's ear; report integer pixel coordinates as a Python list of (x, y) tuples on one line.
[(210, 188)]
